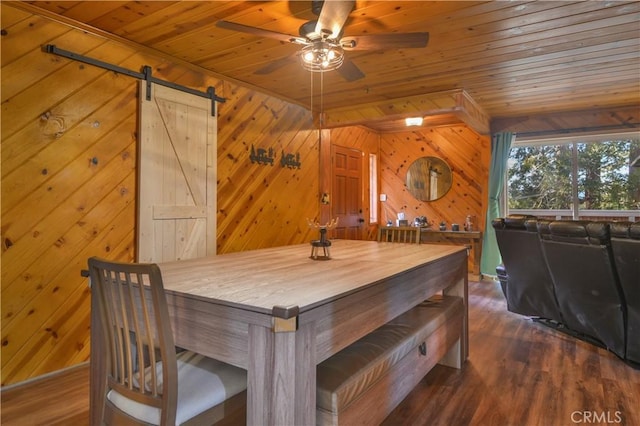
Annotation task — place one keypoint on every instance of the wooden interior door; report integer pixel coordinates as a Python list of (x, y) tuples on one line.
[(176, 176), (347, 192)]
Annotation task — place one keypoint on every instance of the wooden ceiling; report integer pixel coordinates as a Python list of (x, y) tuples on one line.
[(507, 58)]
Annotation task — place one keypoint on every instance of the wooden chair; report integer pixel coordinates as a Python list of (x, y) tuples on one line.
[(143, 378), (399, 234)]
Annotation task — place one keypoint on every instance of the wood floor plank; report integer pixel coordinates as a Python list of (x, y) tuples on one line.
[(60, 398), (522, 373), (519, 373)]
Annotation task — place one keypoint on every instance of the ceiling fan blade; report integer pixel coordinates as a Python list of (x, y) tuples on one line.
[(274, 65), (260, 32), (302, 10), (333, 16), (385, 41), (349, 71)]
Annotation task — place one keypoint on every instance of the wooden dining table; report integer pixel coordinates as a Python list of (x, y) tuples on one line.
[(277, 312)]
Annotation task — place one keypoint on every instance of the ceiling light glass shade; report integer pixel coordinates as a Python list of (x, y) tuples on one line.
[(413, 121), (321, 56)]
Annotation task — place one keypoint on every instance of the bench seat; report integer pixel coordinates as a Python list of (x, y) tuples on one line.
[(364, 382)]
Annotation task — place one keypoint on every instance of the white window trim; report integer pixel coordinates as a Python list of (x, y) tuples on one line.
[(576, 212), (373, 188)]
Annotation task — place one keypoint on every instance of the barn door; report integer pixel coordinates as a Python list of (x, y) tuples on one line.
[(347, 192), (176, 176)]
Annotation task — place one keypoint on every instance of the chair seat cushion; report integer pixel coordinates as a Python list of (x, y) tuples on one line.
[(202, 383), (346, 375)]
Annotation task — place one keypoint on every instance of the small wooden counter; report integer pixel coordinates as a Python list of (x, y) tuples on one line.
[(473, 241)]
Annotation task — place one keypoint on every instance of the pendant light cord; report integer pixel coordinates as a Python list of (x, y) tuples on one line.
[(311, 100), (321, 119)]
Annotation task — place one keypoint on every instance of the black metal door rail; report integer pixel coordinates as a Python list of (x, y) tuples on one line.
[(144, 75)]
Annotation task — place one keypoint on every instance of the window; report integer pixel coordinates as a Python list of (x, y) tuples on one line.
[(576, 178), (373, 189)]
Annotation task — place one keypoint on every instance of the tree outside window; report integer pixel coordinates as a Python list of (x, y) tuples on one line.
[(575, 176), (605, 179)]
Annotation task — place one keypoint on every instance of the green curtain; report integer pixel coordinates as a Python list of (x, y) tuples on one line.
[(500, 146)]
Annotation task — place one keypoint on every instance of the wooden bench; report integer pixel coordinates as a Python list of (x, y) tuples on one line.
[(365, 381)]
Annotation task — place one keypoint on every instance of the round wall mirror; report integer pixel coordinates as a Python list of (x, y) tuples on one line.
[(429, 178)]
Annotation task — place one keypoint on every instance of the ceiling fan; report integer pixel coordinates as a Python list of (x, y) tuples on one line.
[(323, 43)]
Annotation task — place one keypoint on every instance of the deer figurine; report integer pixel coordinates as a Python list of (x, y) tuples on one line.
[(323, 241)]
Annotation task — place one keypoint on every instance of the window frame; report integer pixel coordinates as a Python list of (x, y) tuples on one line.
[(373, 188), (575, 212)]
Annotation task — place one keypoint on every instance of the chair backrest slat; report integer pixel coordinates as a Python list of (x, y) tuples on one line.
[(399, 234), (141, 361), (126, 367)]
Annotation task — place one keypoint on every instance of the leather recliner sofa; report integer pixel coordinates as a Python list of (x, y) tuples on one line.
[(532, 292), (625, 242), (583, 275), (590, 297)]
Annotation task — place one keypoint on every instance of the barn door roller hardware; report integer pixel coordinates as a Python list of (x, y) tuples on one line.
[(144, 75)]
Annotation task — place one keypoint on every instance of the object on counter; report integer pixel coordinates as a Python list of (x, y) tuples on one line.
[(323, 243), (468, 224), (421, 221)]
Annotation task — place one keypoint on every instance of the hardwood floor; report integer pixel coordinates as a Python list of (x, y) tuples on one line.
[(59, 399), (519, 373), (522, 373)]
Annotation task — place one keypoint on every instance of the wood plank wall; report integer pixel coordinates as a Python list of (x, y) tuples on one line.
[(69, 180), (69, 133), (365, 141), (264, 205), (619, 119), (466, 153)]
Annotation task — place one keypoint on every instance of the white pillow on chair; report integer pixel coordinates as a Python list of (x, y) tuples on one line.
[(202, 383)]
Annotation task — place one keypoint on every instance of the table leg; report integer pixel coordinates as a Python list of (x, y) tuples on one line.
[(281, 376), (477, 255), (459, 353)]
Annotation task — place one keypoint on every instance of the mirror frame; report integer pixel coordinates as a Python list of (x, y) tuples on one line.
[(421, 176)]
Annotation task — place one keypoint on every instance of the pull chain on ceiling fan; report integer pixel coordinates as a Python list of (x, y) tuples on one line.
[(323, 44), (320, 113)]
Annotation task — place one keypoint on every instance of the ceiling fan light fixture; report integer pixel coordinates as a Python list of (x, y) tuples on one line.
[(308, 56), (320, 56)]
